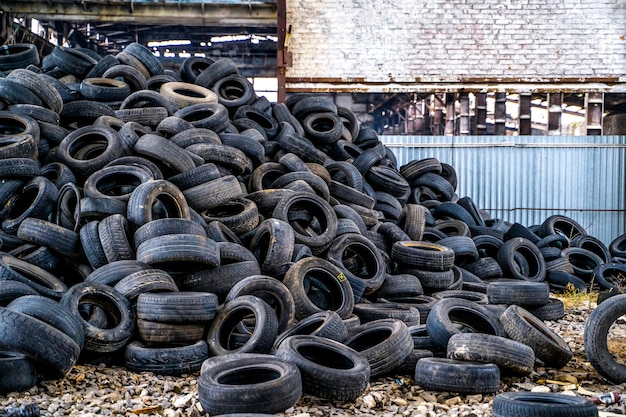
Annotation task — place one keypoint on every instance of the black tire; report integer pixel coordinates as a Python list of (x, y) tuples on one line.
[(464, 249), (522, 326), (423, 255), (148, 280), (229, 157), (221, 279), (562, 225), (611, 276), (400, 285), (329, 369), (510, 356), (521, 404), (12, 290), (441, 374), (317, 285), (240, 215), (417, 167), (166, 360), (316, 237), (19, 372), (442, 188), (453, 211), (164, 227), (42, 281), (385, 343), (485, 268), (55, 353), (233, 91), (167, 153), (52, 313), (88, 149), (111, 273), (49, 235), (273, 244), (583, 261), (454, 315), (511, 267), (179, 253), (19, 55), (161, 333), (559, 282), (113, 232), (524, 293), (360, 261), (432, 280), (553, 311), (143, 199), (36, 199), (98, 339), (326, 324), (104, 89), (270, 290), (177, 307), (213, 193), (596, 339), (229, 321), (323, 128), (372, 311), (248, 383), (115, 181)]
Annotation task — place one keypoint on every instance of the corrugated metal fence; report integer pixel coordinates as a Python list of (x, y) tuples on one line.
[(525, 179)]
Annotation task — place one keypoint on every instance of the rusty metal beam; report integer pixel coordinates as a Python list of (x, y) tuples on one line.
[(192, 14), (339, 85)]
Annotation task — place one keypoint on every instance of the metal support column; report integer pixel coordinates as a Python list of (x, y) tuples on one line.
[(525, 127), (500, 115), (283, 57), (464, 119), (481, 114), (594, 106), (438, 116), (450, 116), (555, 109)]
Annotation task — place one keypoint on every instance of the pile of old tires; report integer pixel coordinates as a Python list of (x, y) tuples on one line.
[(177, 222)]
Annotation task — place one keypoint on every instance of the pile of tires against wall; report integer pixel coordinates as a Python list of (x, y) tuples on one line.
[(178, 222)]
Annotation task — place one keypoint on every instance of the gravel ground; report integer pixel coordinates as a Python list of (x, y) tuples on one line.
[(114, 391)]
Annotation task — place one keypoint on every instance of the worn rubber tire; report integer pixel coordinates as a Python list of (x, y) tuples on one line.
[(329, 369), (522, 326), (466, 377), (522, 404), (248, 383)]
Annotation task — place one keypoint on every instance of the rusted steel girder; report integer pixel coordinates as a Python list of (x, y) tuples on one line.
[(254, 13)]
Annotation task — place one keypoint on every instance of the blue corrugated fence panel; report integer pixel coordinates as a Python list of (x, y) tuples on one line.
[(526, 179)]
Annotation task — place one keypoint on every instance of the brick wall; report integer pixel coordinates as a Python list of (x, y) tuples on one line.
[(457, 40)]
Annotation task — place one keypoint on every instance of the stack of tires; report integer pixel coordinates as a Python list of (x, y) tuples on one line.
[(170, 217)]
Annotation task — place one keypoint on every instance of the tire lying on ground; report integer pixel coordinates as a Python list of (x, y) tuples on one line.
[(521, 404), (18, 372), (248, 383), (329, 369)]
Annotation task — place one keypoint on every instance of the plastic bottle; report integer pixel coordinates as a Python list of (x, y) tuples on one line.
[(612, 397), (28, 410)]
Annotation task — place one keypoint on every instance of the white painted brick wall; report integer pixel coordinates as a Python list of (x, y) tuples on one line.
[(452, 40)]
